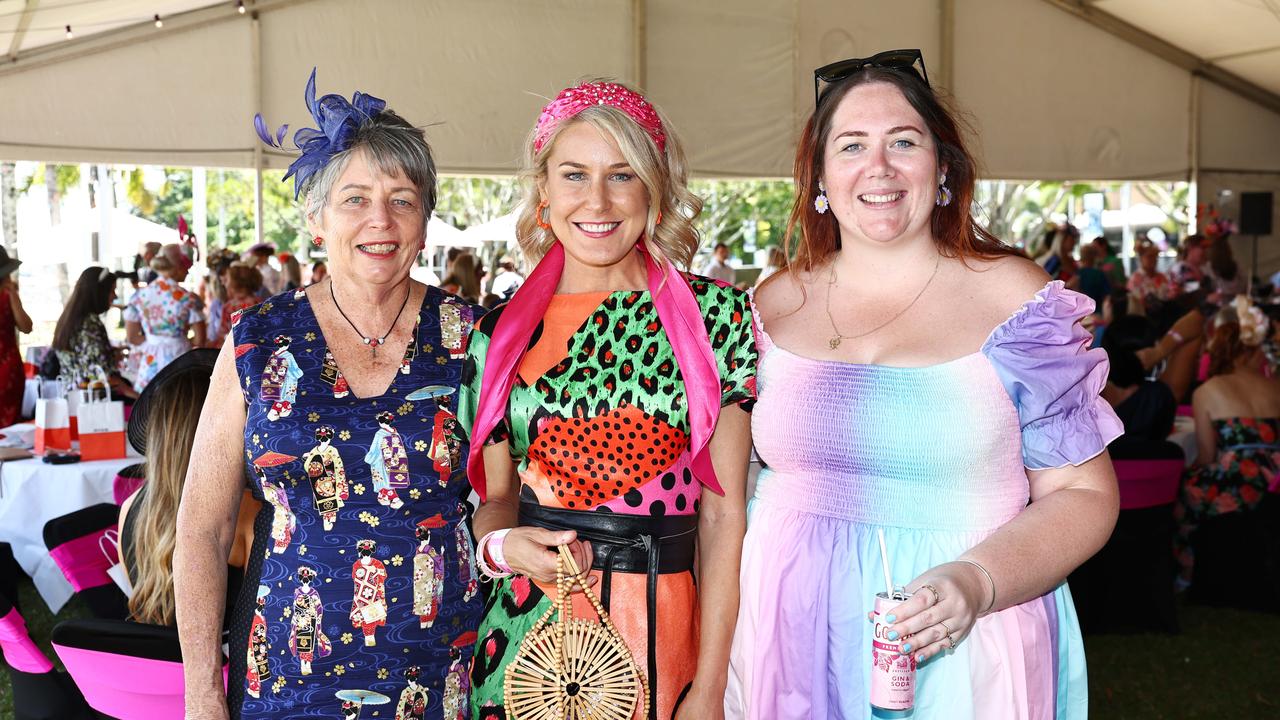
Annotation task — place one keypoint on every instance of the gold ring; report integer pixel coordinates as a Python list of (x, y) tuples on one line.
[(946, 632), (937, 597)]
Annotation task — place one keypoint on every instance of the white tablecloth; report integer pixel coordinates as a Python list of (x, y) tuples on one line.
[(32, 493)]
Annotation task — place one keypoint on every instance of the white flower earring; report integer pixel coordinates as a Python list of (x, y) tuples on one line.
[(820, 203)]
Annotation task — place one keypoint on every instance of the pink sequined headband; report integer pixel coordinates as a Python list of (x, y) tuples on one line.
[(574, 100)]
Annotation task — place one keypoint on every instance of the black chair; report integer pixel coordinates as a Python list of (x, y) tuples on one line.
[(1238, 559), (39, 691), (125, 669), (72, 540), (1136, 568)]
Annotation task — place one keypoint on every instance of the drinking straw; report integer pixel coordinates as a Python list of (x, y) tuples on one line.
[(884, 564)]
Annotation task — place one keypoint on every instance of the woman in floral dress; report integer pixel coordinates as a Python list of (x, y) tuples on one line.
[(163, 320)]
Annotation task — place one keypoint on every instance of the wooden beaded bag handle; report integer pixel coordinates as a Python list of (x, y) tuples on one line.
[(573, 668)]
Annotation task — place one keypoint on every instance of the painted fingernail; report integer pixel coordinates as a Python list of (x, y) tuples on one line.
[(920, 658), (890, 618), (906, 648), (893, 635)]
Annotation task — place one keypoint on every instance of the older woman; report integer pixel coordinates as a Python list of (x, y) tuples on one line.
[(163, 320), (599, 391), (916, 378), (305, 385)]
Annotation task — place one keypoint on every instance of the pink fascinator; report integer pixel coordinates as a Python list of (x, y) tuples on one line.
[(574, 100)]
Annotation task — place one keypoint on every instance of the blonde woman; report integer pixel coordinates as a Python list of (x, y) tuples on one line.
[(604, 398), (162, 427), (163, 320)]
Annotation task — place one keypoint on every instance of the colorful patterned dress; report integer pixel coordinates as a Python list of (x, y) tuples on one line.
[(597, 422), (935, 457), (354, 624), (166, 311), (90, 352), (1246, 469)]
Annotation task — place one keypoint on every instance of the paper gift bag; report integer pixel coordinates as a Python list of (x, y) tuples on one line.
[(53, 431), (74, 399), (101, 430)]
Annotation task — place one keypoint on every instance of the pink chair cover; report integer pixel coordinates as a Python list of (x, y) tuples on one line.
[(122, 487), (20, 653), (1148, 483), (82, 562), (1185, 411), (127, 687)]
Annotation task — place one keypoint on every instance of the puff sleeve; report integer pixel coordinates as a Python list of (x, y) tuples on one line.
[(1042, 357)]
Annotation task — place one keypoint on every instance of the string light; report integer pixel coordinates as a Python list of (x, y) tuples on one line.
[(70, 34), (240, 6), (159, 22)]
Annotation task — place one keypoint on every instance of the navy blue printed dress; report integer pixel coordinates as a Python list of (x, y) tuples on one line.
[(361, 598)]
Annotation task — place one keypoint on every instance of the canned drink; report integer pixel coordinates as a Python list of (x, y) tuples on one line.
[(893, 674)]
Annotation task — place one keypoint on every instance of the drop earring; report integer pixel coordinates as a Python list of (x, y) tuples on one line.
[(544, 224), (820, 203), (944, 192)]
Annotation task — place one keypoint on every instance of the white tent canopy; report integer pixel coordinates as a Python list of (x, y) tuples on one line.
[(1052, 95), (1055, 89)]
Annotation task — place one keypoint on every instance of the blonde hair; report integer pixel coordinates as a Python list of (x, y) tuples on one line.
[(664, 174), (171, 429)]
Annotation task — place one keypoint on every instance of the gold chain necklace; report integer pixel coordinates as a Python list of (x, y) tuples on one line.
[(834, 342)]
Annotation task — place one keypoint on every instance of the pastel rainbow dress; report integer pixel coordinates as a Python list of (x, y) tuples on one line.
[(935, 456)]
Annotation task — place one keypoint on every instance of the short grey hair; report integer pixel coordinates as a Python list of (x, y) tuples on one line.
[(394, 146)]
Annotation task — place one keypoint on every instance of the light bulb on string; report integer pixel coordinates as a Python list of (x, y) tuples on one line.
[(240, 6), (70, 34), (159, 22)]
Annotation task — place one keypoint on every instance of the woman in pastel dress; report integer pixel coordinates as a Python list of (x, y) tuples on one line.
[(915, 378), (163, 320)]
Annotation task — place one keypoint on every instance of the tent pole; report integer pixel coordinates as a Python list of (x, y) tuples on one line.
[(947, 20), (640, 44), (255, 35), (1193, 152)]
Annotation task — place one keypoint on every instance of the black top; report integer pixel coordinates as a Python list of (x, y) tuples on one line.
[(1147, 414)]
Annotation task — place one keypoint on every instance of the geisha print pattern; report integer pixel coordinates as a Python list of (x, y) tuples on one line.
[(360, 549)]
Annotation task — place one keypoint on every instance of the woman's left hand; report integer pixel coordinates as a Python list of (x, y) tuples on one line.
[(945, 603), (701, 704)]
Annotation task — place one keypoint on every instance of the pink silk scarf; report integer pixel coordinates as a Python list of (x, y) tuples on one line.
[(681, 318)]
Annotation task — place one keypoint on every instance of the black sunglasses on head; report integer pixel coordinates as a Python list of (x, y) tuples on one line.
[(901, 60)]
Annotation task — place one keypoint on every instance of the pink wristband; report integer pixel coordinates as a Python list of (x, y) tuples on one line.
[(493, 543)]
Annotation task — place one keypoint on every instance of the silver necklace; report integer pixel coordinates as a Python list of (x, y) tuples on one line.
[(834, 342)]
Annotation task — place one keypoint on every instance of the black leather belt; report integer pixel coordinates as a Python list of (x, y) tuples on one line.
[(653, 545)]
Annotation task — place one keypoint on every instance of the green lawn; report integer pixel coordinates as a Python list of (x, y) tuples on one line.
[(1217, 667)]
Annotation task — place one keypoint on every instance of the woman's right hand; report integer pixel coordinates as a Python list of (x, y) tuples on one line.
[(532, 551)]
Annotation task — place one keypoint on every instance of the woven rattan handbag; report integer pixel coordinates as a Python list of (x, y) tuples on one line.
[(573, 668)]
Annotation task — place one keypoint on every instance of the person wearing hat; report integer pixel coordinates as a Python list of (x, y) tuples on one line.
[(163, 320), (162, 427), (13, 319), (508, 280), (366, 184)]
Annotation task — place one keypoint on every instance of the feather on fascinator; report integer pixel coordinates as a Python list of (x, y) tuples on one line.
[(336, 122)]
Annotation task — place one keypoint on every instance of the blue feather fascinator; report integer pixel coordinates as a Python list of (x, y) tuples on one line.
[(336, 122)]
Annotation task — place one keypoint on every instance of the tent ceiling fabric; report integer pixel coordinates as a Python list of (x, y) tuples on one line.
[(1050, 95)]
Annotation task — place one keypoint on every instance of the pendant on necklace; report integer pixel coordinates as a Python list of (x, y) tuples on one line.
[(373, 344), (834, 342)]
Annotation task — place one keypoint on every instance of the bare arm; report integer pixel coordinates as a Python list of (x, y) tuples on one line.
[(133, 333), (527, 549), (21, 319), (1071, 515), (722, 522), (1206, 437), (198, 337), (206, 529)]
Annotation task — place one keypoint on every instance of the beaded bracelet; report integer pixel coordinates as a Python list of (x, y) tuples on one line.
[(989, 579), (493, 543)]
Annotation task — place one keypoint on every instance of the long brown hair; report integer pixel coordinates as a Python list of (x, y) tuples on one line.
[(92, 296), (811, 237), (171, 429)]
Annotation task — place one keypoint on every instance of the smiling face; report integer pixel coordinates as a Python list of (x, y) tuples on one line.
[(880, 166), (597, 204), (372, 223)]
